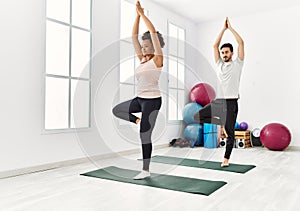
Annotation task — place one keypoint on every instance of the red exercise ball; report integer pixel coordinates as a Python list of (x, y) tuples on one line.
[(202, 93), (275, 136)]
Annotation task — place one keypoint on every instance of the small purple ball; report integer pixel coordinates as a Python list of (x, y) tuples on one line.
[(243, 126)]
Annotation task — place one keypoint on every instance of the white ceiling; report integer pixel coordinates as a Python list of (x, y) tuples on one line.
[(208, 10)]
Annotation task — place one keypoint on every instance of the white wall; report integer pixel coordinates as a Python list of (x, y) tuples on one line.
[(269, 84), (23, 144)]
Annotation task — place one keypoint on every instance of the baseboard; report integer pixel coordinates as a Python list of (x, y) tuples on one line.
[(293, 148), (50, 166)]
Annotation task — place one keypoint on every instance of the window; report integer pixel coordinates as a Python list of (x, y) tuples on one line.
[(68, 54), (176, 70), (128, 58)]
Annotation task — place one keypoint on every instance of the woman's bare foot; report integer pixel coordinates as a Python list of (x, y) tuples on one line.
[(137, 121), (225, 163), (223, 131)]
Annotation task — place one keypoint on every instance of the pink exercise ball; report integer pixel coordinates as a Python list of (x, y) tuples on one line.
[(202, 93), (275, 136)]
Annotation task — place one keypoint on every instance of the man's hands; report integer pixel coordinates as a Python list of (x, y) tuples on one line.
[(227, 24)]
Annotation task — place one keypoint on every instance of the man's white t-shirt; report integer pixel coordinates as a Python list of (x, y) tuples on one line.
[(229, 75)]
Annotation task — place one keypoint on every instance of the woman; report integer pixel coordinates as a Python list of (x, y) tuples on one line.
[(148, 100)]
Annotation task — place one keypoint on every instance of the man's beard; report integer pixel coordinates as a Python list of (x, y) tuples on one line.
[(226, 59)]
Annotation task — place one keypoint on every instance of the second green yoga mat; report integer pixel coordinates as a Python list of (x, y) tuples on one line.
[(176, 183), (238, 168)]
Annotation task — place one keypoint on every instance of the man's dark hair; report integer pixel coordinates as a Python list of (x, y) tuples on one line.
[(147, 36), (227, 45)]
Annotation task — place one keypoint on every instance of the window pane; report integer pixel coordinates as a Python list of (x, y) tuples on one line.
[(181, 48), (80, 53), (57, 49), (126, 93), (59, 10), (181, 74), (81, 13), (80, 105), (181, 34), (128, 14), (172, 104), (126, 50), (172, 40), (181, 43), (172, 72), (127, 71), (127, 62), (56, 103), (173, 31), (180, 103)]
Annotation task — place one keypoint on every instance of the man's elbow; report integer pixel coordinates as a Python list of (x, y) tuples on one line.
[(241, 42)]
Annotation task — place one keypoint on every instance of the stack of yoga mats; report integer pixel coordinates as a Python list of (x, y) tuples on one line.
[(210, 135)]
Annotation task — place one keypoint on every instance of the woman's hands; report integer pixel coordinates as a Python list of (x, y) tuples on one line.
[(139, 9)]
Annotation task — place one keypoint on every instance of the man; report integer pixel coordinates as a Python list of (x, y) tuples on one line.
[(229, 73)]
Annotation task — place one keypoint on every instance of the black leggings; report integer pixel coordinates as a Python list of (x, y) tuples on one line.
[(221, 112), (149, 108)]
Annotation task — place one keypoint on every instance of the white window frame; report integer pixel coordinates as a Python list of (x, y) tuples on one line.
[(177, 89), (69, 77)]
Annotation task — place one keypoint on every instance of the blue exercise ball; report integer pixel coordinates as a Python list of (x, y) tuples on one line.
[(194, 133), (189, 111), (237, 125)]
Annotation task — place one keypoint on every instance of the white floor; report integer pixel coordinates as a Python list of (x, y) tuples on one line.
[(273, 185)]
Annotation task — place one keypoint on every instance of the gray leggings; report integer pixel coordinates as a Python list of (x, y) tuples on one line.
[(149, 108)]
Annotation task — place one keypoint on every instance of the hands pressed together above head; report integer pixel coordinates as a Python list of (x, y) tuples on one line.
[(139, 9), (227, 24)]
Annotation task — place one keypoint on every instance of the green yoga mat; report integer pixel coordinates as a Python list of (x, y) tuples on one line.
[(176, 183), (237, 168)]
